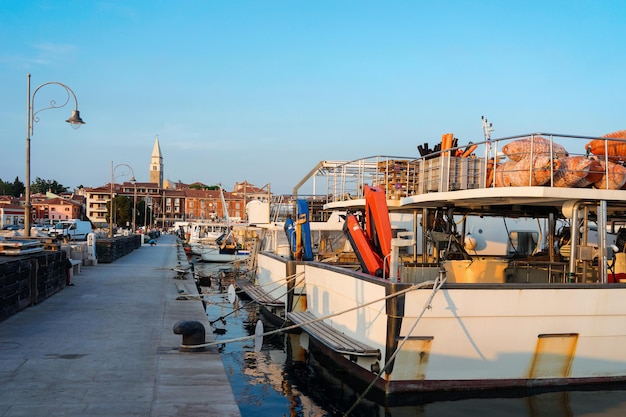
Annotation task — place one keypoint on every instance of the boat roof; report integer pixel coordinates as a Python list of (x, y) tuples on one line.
[(444, 180)]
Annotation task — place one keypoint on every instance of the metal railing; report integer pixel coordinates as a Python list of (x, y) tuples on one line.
[(536, 159)]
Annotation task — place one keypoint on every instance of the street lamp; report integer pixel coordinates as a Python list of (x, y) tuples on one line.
[(133, 181), (31, 119)]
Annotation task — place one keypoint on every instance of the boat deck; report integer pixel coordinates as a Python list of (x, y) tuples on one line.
[(258, 295), (330, 337)]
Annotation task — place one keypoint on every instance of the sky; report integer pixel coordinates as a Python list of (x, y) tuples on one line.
[(263, 90)]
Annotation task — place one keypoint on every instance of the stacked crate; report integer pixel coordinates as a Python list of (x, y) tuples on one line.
[(398, 177), (462, 174)]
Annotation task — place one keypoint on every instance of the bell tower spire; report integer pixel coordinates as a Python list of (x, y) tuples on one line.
[(156, 164)]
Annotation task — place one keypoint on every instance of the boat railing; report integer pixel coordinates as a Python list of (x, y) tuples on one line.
[(536, 159)]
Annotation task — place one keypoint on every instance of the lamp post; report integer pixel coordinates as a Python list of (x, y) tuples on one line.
[(133, 181), (147, 202), (134, 203), (31, 119)]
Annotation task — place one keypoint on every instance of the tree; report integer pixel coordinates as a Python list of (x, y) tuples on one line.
[(143, 212), (18, 187), (43, 186), (6, 188), (122, 210), (198, 186)]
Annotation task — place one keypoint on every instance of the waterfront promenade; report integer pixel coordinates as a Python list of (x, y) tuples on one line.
[(106, 346)]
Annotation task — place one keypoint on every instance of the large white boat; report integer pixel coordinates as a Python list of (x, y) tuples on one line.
[(430, 309)]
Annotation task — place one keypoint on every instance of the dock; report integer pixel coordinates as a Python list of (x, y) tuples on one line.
[(106, 347)]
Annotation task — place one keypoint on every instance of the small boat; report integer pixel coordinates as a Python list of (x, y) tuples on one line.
[(441, 306), (214, 253), (225, 248)]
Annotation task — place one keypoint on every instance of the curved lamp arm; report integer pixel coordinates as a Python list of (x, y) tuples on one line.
[(75, 119)]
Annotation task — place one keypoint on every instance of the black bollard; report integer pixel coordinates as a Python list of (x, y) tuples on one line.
[(193, 334)]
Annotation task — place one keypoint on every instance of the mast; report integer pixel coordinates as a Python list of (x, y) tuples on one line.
[(224, 206)]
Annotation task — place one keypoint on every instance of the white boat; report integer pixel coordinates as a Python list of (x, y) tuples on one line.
[(204, 233), (226, 248), (429, 312), (213, 253), (275, 289)]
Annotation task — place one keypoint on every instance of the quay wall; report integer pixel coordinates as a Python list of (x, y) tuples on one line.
[(109, 250), (28, 280)]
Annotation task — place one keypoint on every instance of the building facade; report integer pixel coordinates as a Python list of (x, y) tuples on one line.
[(164, 203)]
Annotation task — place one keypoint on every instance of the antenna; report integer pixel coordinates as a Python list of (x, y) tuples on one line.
[(487, 128)]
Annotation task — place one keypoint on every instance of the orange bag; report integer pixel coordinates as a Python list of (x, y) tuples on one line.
[(520, 149), (616, 149), (503, 172), (616, 178), (596, 172), (519, 174), (574, 169)]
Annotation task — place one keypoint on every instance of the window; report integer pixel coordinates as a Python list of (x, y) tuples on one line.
[(522, 243)]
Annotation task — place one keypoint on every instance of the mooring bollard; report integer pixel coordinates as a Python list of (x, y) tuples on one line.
[(193, 334)]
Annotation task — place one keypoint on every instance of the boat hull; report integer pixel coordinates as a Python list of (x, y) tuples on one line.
[(213, 254), (471, 336)]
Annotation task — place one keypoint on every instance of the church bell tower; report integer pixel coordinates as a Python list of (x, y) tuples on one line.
[(156, 164)]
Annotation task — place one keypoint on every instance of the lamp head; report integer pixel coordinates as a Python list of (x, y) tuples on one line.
[(132, 180), (75, 119)]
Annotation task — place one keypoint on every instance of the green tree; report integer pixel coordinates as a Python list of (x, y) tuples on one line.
[(123, 207), (43, 186), (122, 210), (6, 188), (199, 186), (18, 187), (144, 213)]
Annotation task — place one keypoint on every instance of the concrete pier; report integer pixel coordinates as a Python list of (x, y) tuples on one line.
[(106, 346)]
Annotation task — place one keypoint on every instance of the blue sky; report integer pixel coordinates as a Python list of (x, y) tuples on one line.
[(263, 90)]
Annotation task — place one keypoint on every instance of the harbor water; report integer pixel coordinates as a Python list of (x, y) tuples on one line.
[(280, 380)]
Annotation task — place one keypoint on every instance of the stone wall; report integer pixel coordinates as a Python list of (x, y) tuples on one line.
[(28, 280), (109, 250)]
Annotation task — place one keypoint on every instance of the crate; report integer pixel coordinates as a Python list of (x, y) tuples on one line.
[(398, 177), (458, 174)]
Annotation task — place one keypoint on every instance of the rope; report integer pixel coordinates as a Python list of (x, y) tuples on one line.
[(288, 278), (296, 326), (438, 284)]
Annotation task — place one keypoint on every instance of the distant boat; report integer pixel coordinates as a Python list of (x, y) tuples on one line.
[(226, 248), (213, 253)]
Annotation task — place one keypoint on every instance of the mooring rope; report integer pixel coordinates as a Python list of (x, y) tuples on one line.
[(288, 278), (296, 326), (438, 284)]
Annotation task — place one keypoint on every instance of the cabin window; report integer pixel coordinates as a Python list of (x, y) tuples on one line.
[(522, 243)]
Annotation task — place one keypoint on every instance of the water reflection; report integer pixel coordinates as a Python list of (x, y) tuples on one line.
[(281, 380)]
